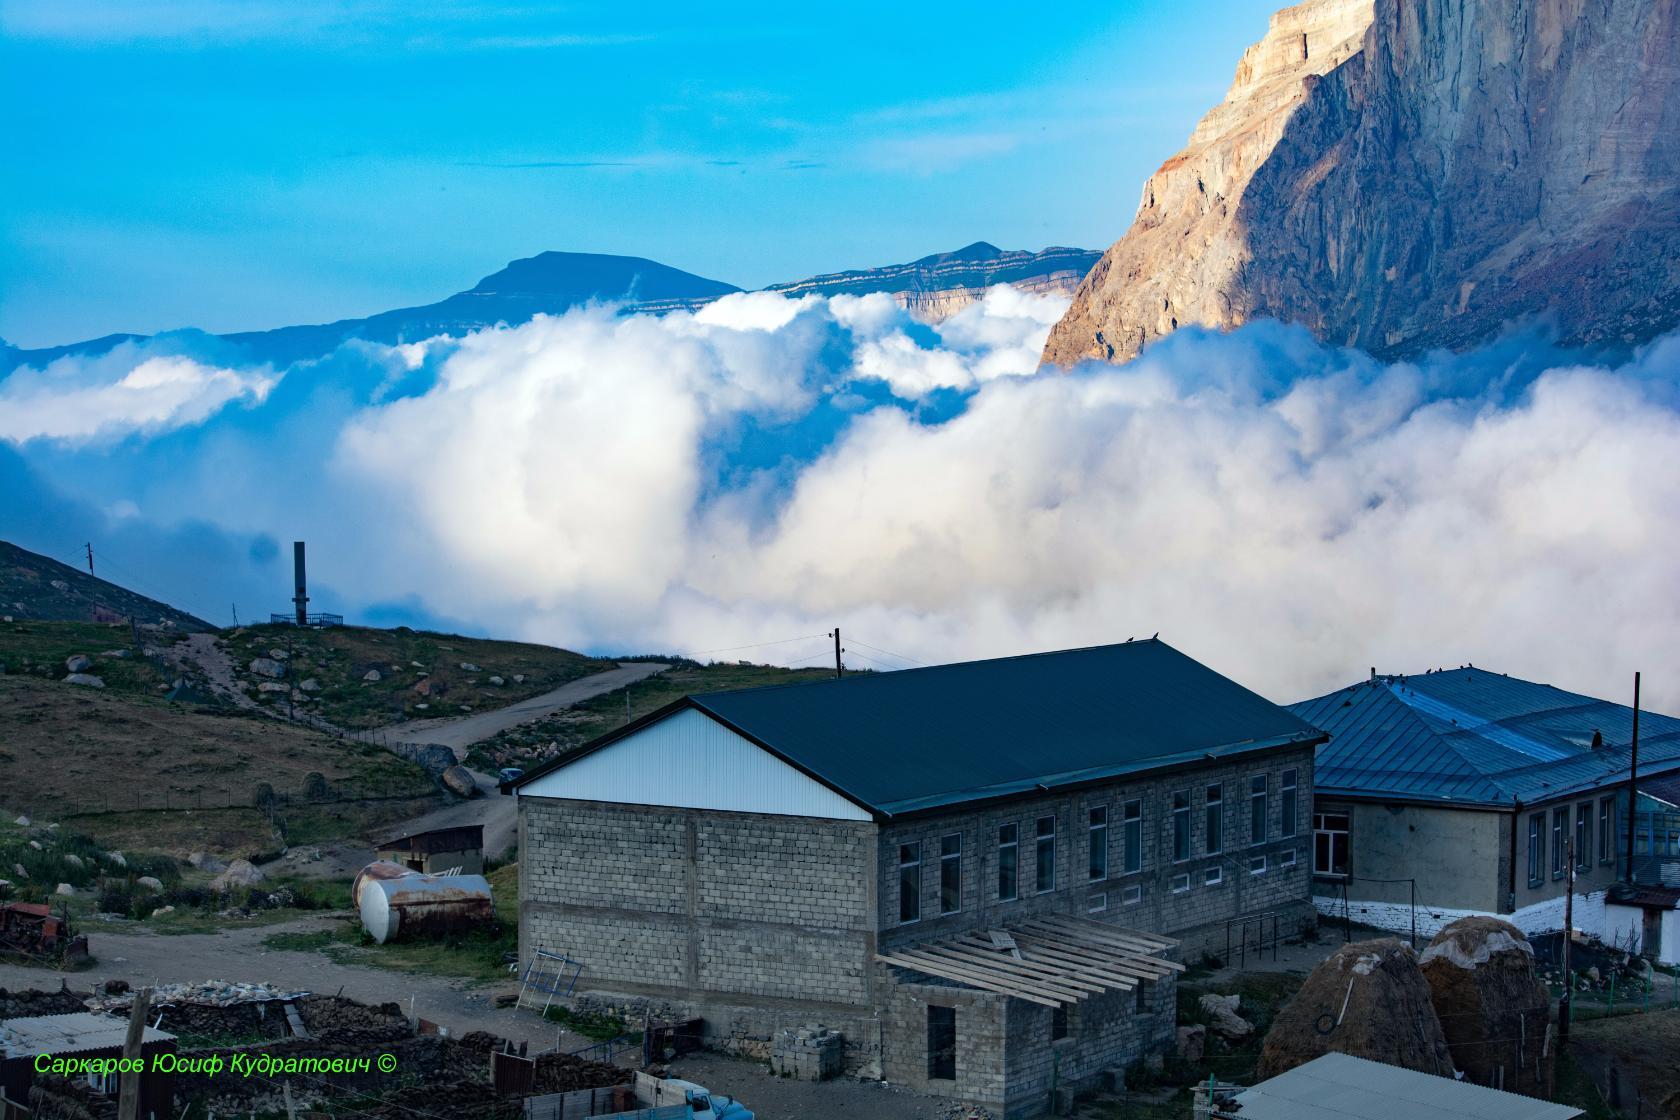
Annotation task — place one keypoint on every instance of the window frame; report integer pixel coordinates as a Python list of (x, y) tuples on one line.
[(1040, 840), (1011, 847), (944, 1056), (910, 871), (1257, 865), (1289, 807), (1289, 857), (1213, 818), (1132, 895), (1607, 829), (1560, 829), (950, 866), (1131, 836), (1583, 836), (1173, 886), (1096, 860), (1182, 841), (1213, 876), (1259, 808), (1322, 827), (1097, 903), (1536, 849)]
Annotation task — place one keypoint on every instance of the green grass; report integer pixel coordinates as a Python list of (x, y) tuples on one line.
[(1575, 1088), (338, 658), (530, 744), (40, 649)]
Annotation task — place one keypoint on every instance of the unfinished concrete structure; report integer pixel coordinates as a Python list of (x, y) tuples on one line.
[(1473, 785), (978, 872)]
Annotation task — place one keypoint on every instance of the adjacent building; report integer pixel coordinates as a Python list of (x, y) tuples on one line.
[(1341, 1087), (83, 1035), (458, 850), (1465, 791), (984, 874)]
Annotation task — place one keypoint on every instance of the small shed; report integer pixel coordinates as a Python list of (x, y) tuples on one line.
[(1340, 1087), (84, 1034), (439, 851)]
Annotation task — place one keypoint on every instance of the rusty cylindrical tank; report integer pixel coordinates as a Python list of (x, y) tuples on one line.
[(414, 905)]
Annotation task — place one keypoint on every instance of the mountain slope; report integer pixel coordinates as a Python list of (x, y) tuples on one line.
[(938, 286), (38, 588), (1421, 181)]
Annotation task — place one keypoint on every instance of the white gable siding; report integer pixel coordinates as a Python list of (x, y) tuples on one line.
[(691, 761)]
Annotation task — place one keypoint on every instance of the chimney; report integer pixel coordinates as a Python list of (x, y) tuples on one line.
[(302, 596)]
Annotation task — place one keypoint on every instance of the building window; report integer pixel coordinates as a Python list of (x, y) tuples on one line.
[(1330, 843), (950, 873), (1257, 865), (1607, 830), (1059, 1022), (1131, 895), (942, 1043), (1583, 835), (909, 881), (1099, 843), (1097, 903), (1536, 849), (1131, 832), (1009, 862), (1181, 825), (1259, 808), (1560, 829), (1046, 850), (1214, 875), (1215, 818), (1286, 858), (1181, 883), (1286, 799)]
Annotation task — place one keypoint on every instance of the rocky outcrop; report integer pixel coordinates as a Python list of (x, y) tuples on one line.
[(938, 286), (1400, 176)]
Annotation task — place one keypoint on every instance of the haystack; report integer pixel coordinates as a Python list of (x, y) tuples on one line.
[(1493, 1008), (1370, 1000)]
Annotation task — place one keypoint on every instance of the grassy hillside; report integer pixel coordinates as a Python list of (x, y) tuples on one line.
[(152, 774), (535, 742), (33, 586), (39, 650), (420, 674)]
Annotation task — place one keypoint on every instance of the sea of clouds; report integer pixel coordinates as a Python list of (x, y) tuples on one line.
[(1291, 513)]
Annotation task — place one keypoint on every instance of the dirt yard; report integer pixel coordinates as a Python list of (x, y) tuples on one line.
[(1634, 1060)]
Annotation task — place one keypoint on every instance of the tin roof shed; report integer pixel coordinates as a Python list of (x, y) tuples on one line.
[(76, 1033), (1339, 1087)]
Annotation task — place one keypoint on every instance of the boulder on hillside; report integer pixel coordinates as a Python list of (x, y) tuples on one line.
[(1494, 1010), (431, 686), (468, 667), (459, 780), (310, 685), (267, 667), (1368, 999), (79, 663), (207, 863), (66, 890), (371, 676), (150, 883), (239, 873), (87, 679), (117, 858), (1223, 1018)]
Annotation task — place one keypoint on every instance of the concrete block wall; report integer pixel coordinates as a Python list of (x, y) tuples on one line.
[(1105, 1035), (655, 900), (982, 1028), (1196, 915)]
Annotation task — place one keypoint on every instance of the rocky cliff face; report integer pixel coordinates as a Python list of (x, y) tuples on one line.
[(938, 286), (1402, 174)]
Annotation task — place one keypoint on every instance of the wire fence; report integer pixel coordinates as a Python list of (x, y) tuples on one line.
[(1595, 999)]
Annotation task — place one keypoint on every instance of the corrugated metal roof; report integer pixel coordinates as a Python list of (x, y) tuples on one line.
[(75, 1033), (1340, 1087), (920, 739), (1474, 737)]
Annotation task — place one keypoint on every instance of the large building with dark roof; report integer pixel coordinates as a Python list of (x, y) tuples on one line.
[(1471, 791), (986, 874)]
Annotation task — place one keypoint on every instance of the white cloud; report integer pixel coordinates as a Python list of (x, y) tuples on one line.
[(128, 390)]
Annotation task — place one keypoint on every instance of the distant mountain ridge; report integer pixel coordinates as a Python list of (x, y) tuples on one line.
[(931, 289)]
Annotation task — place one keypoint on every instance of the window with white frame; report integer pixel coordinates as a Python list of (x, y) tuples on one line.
[(1180, 883), (1257, 865), (1009, 862), (1259, 808), (1286, 858), (1130, 895), (1583, 835), (1215, 806), (950, 873), (1560, 829), (1181, 825), (1097, 861), (1214, 875), (1287, 804), (1607, 830), (1131, 835), (1536, 849), (1330, 843), (1097, 902), (909, 881), (1046, 852)]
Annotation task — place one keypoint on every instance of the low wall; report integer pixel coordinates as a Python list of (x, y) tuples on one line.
[(1542, 917)]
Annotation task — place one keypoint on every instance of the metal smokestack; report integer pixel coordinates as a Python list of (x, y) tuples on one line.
[(301, 598)]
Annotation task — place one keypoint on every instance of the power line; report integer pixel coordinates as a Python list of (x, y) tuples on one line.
[(888, 652), (758, 645)]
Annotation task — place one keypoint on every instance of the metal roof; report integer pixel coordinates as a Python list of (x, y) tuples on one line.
[(918, 740), (1469, 736), (75, 1033), (1340, 1087)]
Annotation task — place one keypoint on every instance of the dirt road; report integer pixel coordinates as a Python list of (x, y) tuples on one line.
[(461, 732), (127, 952)]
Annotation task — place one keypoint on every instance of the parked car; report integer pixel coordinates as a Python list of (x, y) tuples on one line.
[(510, 774)]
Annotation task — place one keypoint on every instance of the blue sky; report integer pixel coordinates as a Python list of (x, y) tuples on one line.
[(235, 165)]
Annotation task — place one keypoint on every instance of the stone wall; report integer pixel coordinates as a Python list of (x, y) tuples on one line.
[(1145, 899), (654, 900)]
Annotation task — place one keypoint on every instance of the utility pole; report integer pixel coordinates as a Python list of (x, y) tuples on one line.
[(235, 615), (1633, 780), (839, 666), (1568, 999), (90, 557), (128, 1094)]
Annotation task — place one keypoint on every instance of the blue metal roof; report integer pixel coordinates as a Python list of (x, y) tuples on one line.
[(1474, 737), (917, 740)]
